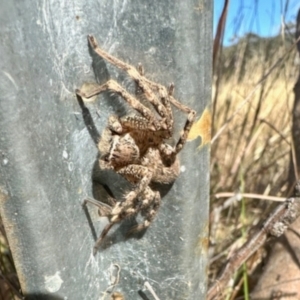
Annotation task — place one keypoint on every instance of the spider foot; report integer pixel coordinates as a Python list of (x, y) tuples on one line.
[(102, 236)]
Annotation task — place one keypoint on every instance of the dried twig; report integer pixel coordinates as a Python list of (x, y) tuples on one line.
[(114, 280), (282, 217), (248, 195)]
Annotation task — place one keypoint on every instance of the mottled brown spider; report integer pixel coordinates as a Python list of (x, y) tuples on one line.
[(135, 147)]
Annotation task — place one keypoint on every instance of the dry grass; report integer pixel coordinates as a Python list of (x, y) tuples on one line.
[(9, 284), (252, 154)]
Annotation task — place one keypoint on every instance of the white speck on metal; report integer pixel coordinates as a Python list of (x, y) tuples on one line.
[(65, 154), (53, 282)]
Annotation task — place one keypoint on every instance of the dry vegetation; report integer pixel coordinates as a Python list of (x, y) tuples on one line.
[(9, 285), (253, 97)]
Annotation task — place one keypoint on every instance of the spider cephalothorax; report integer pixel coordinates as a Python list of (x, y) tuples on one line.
[(135, 147)]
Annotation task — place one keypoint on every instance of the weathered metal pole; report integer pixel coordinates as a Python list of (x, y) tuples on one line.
[(48, 139)]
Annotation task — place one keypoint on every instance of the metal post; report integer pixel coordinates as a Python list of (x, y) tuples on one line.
[(49, 158)]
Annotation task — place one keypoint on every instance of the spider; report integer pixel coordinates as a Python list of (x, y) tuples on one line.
[(135, 146)]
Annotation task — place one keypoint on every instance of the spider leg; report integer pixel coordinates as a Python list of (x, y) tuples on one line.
[(185, 132), (159, 88), (129, 206), (166, 101), (167, 98), (189, 122), (123, 215), (166, 150), (102, 236), (165, 95), (149, 207), (139, 175), (132, 101), (168, 153), (137, 75), (104, 209)]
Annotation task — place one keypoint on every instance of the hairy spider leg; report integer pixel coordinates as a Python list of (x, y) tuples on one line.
[(112, 221), (158, 87), (104, 208), (148, 209), (189, 122), (165, 96), (115, 87), (169, 153), (140, 176), (137, 75), (184, 134), (165, 149), (170, 99), (102, 236), (126, 208)]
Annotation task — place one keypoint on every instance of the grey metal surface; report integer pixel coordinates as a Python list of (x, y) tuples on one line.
[(49, 156)]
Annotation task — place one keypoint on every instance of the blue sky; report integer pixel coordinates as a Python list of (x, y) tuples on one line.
[(263, 17)]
